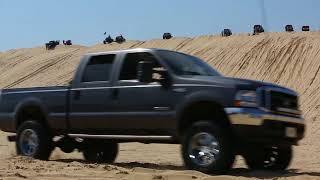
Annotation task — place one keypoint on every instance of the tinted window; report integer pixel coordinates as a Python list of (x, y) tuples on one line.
[(130, 65), (183, 64), (98, 68)]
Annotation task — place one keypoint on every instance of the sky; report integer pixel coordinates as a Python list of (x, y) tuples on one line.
[(29, 23)]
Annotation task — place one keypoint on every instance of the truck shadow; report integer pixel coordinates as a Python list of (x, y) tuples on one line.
[(237, 172), (130, 165), (242, 172)]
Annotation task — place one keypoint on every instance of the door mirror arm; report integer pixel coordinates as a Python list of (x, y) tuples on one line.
[(145, 73), (165, 79)]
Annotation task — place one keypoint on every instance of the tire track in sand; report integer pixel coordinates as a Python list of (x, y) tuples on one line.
[(41, 69)]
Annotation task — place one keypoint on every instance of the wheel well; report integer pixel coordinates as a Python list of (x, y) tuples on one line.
[(30, 113), (204, 110)]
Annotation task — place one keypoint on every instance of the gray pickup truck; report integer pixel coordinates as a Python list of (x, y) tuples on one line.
[(156, 96)]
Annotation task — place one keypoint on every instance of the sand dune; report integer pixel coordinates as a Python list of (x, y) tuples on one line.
[(289, 59)]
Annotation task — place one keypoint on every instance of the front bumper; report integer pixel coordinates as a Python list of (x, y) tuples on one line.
[(254, 125)]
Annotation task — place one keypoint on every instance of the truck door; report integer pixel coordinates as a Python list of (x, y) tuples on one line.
[(90, 97), (142, 108)]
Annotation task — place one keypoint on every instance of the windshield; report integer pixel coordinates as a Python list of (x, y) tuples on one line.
[(184, 65)]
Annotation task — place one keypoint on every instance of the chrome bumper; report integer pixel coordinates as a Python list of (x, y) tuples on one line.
[(256, 117)]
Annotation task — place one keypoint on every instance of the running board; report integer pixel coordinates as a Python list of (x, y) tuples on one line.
[(123, 137)]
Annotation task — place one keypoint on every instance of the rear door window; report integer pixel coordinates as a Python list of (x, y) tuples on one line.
[(98, 68)]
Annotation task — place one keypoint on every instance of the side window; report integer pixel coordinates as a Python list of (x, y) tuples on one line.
[(98, 68), (130, 64)]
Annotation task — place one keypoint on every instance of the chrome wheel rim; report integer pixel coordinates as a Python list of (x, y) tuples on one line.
[(271, 157), (29, 142), (203, 149)]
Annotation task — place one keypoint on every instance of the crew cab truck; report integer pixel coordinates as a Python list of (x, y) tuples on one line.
[(156, 96)]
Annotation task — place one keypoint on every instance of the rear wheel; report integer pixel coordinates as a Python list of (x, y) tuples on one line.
[(33, 140), (208, 148), (101, 151), (269, 158)]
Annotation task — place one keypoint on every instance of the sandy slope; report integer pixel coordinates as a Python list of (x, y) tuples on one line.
[(291, 60)]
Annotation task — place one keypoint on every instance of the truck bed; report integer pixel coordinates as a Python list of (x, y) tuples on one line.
[(52, 100)]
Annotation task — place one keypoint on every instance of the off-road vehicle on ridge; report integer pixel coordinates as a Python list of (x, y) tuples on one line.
[(226, 32), (289, 28), (108, 40), (67, 42), (166, 36), (257, 29), (305, 28), (156, 96), (51, 45)]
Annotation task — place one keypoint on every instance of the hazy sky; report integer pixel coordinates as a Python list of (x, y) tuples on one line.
[(28, 23)]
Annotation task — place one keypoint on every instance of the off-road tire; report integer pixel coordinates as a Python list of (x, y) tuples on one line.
[(260, 158), (101, 151), (223, 161), (45, 143)]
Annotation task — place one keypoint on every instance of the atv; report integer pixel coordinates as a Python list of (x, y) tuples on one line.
[(120, 39), (108, 40)]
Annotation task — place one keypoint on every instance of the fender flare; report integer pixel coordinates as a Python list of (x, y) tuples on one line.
[(199, 96), (31, 101)]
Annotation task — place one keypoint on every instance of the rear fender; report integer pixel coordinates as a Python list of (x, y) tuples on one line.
[(28, 102)]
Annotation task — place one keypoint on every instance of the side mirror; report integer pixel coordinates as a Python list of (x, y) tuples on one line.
[(145, 71)]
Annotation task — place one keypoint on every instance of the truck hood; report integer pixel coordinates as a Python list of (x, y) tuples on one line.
[(248, 84), (237, 83)]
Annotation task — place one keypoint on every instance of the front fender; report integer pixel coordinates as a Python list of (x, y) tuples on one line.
[(223, 98)]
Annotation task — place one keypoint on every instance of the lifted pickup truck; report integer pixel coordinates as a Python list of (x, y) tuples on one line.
[(156, 96)]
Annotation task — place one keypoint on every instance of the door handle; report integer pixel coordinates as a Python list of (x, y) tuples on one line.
[(76, 94)]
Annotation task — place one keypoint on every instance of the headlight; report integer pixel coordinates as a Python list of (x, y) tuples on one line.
[(246, 98)]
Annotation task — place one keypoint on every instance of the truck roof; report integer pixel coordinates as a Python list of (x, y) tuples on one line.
[(126, 51)]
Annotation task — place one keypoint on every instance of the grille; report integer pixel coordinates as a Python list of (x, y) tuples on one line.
[(279, 101)]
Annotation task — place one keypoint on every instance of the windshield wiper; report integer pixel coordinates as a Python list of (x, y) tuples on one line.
[(190, 73), (195, 73)]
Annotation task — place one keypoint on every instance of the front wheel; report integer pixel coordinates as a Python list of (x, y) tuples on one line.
[(269, 158), (33, 140), (208, 148), (101, 152)]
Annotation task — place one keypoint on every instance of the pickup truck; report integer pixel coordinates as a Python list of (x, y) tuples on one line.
[(156, 96)]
